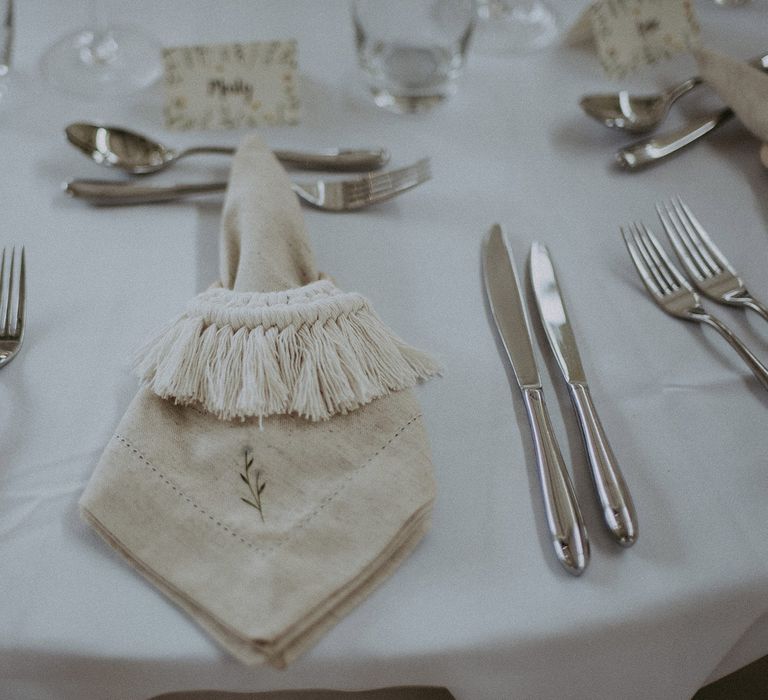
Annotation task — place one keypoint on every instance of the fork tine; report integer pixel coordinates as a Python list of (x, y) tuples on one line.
[(715, 258), (20, 310), (708, 265), (3, 298), (680, 239), (668, 265), (664, 280), (648, 280), (382, 186), (9, 305), (375, 179), (383, 181), (402, 187)]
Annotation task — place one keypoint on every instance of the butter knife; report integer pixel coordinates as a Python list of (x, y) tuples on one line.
[(616, 503), (564, 519)]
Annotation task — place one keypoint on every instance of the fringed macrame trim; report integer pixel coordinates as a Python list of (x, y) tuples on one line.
[(314, 351)]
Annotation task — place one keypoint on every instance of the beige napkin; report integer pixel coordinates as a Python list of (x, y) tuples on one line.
[(741, 86), (269, 527), (395, 693)]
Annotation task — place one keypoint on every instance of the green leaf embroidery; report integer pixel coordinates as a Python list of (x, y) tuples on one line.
[(254, 483)]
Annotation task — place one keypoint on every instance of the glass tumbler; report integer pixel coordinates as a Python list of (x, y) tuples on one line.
[(412, 51)]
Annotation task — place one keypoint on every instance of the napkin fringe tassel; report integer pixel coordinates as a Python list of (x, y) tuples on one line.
[(313, 369)]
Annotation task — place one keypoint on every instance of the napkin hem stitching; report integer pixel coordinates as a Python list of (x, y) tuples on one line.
[(301, 524)]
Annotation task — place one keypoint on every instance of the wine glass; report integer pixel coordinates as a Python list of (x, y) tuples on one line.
[(102, 58), (515, 26)]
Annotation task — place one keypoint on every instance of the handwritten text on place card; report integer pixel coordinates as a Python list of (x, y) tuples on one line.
[(228, 86), (633, 33)]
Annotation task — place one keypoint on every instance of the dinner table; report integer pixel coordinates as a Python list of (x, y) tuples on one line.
[(481, 607)]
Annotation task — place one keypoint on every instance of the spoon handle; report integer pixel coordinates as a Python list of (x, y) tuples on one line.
[(336, 159), (647, 151)]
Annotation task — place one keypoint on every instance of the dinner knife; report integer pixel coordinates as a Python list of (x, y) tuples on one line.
[(564, 520), (616, 503)]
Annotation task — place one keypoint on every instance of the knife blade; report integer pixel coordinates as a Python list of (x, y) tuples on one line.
[(618, 509), (564, 520)]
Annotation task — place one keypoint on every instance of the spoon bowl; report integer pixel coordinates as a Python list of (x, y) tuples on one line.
[(635, 114), (120, 148), (137, 154), (638, 114)]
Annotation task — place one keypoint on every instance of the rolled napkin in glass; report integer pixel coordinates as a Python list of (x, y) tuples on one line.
[(740, 85), (274, 467)]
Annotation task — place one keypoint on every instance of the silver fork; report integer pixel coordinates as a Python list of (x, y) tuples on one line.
[(671, 291), (12, 298), (708, 268), (325, 194)]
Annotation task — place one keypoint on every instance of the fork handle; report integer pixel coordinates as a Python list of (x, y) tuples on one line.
[(755, 305), (618, 509), (104, 192), (107, 193), (566, 525), (758, 369)]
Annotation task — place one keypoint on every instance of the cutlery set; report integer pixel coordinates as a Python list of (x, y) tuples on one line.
[(563, 515), (638, 114), (708, 270), (138, 155), (12, 304), (325, 194)]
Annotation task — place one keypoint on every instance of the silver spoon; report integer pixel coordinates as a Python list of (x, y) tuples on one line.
[(137, 154), (640, 113), (635, 113)]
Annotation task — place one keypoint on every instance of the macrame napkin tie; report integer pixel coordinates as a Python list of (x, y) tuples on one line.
[(274, 467)]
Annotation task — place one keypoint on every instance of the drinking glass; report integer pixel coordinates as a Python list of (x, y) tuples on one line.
[(102, 58), (412, 51), (515, 26)]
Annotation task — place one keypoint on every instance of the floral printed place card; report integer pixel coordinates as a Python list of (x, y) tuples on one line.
[(633, 33), (228, 86)]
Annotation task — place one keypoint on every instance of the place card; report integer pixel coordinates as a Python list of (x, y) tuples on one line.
[(633, 33), (229, 86)]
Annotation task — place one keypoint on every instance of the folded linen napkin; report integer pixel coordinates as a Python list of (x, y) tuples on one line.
[(274, 467), (741, 86)]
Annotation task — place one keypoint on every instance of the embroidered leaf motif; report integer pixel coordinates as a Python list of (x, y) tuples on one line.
[(254, 483)]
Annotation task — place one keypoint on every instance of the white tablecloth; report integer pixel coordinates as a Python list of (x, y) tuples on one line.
[(481, 607)]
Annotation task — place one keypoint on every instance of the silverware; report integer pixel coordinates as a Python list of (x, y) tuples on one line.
[(137, 154), (671, 291), (566, 526), (651, 150), (708, 268), (636, 114), (329, 195), (616, 503), (12, 306), (641, 113), (7, 40)]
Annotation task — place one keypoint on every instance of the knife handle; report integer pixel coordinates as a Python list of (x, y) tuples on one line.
[(566, 526), (618, 510)]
